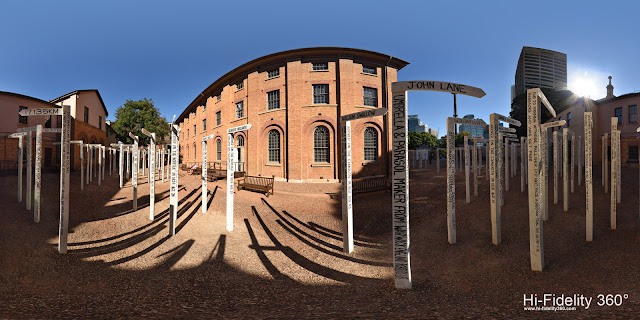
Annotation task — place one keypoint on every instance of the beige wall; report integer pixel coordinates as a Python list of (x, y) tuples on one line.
[(10, 106), (90, 100)]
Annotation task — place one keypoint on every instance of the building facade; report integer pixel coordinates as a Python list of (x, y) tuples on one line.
[(475, 131), (87, 110), (293, 100), (540, 68), (623, 107)]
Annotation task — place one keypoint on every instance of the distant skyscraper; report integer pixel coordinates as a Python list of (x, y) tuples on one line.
[(413, 122), (473, 130), (540, 68)]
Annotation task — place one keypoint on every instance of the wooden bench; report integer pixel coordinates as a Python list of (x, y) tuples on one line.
[(183, 167), (262, 184), (369, 184), (215, 174)]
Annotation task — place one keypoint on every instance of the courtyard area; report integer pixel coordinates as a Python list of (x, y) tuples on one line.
[(284, 257)]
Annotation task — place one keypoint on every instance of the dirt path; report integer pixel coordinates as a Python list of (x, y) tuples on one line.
[(284, 258)]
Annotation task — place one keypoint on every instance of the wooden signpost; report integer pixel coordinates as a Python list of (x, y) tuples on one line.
[(523, 143), (400, 172), (544, 150), (204, 171), (565, 165), (173, 189), (347, 198), (535, 98), (615, 149), (152, 174), (134, 181), (231, 171), (495, 166), (120, 145), (20, 137), (451, 178), (588, 173)]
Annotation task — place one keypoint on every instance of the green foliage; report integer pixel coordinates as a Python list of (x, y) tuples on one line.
[(417, 139), (559, 99), (135, 115), (460, 138)]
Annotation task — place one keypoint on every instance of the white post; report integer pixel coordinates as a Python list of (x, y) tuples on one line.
[(347, 204), (494, 191), (605, 156), (451, 181), (20, 155), (588, 174), (475, 168), (614, 168), (29, 168), (466, 170), (522, 144), (204, 176), (173, 201), (565, 169), (162, 163), (134, 181), (99, 152), (88, 163), (501, 167), (121, 164), (230, 182), (65, 164), (555, 167), (152, 185), (506, 165), (573, 161), (38, 175)]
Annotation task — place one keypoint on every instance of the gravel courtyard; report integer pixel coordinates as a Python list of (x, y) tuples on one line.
[(284, 257)]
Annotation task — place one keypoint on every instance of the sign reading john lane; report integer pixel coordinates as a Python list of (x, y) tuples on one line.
[(400, 172)]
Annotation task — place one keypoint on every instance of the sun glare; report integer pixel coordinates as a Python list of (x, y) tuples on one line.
[(584, 86)]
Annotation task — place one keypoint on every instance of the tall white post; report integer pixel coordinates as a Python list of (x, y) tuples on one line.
[(555, 167), (565, 169), (20, 155), (605, 156), (466, 170), (38, 175), (494, 191), (506, 165), (230, 181), (347, 201), (614, 169), (65, 164), (134, 167), (121, 164), (99, 152), (522, 175), (29, 168), (588, 173), (173, 201)]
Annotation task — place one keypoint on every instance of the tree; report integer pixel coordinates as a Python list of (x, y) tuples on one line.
[(460, 138), (559, 99), (417, 139), (135, 115)]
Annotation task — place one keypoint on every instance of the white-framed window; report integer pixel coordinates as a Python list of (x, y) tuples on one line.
[(370, 96), (274, 146), (370, 144), (369, 70), (239, 109), (320, 93), (273, 74), (320, 66), (273, 100), (321, 144)]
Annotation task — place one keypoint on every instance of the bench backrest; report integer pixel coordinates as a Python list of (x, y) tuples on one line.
[(370, 182), (261, 181)]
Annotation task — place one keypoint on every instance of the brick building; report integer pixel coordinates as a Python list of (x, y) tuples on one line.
[(293, 100), (87, 110)]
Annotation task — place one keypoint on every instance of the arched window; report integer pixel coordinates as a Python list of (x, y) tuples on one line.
[(187, 152), (274, 146), (370, 144), (321, 144), (240, 142), (218, 150)]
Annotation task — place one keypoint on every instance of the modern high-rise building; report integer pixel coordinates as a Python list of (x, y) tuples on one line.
[(540, 68), (473, 130)]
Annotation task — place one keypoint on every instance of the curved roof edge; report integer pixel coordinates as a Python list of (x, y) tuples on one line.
[(391, 61), (28, 97)]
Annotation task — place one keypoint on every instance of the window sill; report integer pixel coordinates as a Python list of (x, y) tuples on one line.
[(369, 74), (276, 77), (273, 164), (319, 105), (366, 107), (243, 118), (239, 90), (320, 164), (219, 101), (272, 110), (218, 126), (319, 70)]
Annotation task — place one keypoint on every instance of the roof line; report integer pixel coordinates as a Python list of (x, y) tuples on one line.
[(67, 95), (28, 97)]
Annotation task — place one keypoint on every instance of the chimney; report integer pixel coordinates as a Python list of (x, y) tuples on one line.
[(609, 89)]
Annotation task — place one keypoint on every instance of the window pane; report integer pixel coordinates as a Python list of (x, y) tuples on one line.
[(273, 100), (218, 150), (370, 144), (633, 113), (320, 66), (369, 70), (321, 144), (320, 93), (273, 73), (633, 153), (619, 115), (239, 85), (274, 146), (218, 118), (204, 125), (240, 141), (240, 109), (21, 119), (370, 97)]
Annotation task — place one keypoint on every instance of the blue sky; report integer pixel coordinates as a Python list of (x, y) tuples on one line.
[(170, 51)]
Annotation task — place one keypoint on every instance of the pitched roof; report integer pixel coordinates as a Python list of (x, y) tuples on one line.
[(27, 97), (65, 96)]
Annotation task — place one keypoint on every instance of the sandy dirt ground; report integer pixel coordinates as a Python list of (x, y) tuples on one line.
[(284, 257)]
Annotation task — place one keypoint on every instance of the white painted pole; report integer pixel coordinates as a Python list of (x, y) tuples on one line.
[(121, 164), (565, 169), (135, 168), (522, 144), (506, 165), (614, 168), (38, 175), (152, 185), (573, 161), (501, 168), (588, 174), (65, 164), (173, 201), (555, 167), (204, 176), (88, 164), (619, 169), (230, 182), (347, 200), (605, 154), (494, 155), (536, 246), (99, 152), (29, 168), (20, 155), (467, 174), (451, 181), (475, 168), (544, 180)]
